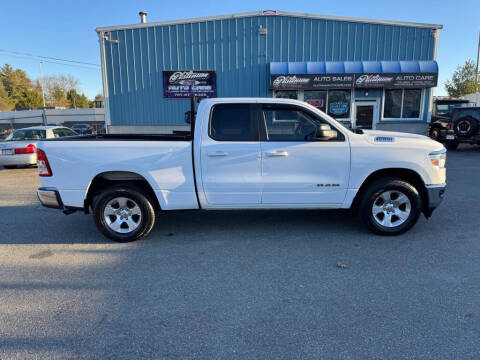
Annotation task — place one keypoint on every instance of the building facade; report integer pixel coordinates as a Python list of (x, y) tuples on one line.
[(366, 73)]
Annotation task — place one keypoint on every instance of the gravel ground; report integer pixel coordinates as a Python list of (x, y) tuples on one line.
[(241, 285)]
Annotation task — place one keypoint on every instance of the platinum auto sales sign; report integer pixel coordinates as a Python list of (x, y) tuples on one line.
[(331, 81), (183, 83)]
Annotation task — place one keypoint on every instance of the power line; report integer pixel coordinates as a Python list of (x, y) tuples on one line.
[(51, 62), (49, 58)]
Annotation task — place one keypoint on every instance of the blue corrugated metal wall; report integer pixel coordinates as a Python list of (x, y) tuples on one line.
[(234, 48)]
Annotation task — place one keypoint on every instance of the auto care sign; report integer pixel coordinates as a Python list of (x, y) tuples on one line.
[(183, 83), (331, 81)]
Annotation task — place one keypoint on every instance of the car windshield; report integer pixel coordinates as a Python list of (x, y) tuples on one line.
[(30, 134)]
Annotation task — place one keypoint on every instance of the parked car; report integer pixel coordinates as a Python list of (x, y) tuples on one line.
[(19, 148), (250, 153), (455, 122), (82, 129)]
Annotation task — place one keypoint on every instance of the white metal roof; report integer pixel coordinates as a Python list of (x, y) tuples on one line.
[(269, 13)]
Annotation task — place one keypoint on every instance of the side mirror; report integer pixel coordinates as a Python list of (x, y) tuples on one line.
[(325, 132)]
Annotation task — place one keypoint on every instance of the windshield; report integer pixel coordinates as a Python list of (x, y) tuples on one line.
[(25, 134)]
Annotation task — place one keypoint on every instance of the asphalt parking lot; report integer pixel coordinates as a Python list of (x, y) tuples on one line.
[(241, 285)]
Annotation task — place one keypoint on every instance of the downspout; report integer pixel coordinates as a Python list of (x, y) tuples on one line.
[(106, 103), (435, 50)]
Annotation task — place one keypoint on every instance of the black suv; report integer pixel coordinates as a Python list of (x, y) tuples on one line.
[(454, 122), (82, 129)]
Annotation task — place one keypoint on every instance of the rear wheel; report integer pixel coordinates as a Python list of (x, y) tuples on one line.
[(124, 213), (390, 206)]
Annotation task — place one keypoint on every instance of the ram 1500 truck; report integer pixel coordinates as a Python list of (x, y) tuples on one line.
[(245, 153)]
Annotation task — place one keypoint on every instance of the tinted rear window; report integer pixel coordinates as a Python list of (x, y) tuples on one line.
[(233, 122), (19, 135)]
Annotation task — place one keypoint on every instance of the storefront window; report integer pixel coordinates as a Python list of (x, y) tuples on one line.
[(393, 104), (402, 104), (286, 94), (339, 103), (317, 99), (412, 99)]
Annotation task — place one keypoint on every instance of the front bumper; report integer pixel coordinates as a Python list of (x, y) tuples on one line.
[(436, 194), (50, 197)]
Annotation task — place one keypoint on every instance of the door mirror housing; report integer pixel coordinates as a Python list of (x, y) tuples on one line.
[(325, 132)]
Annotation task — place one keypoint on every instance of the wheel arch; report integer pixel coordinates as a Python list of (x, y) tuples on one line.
[(408, 175), (107, 179)]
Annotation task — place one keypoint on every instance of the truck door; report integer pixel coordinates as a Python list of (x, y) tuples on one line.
[(230, 156), (298, 166)]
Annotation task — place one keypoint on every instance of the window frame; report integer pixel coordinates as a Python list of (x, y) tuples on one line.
[(254, 117), (263, 127), (422, 106)]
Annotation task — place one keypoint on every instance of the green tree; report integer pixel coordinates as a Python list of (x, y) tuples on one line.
[(76, 100), (30, 99), (16, 83), (463, 81), (6, 103)]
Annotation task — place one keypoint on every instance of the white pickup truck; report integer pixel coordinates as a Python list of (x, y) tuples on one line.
[(245, 153)]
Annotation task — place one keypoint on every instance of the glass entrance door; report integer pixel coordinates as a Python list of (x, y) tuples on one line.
[(366, 115)]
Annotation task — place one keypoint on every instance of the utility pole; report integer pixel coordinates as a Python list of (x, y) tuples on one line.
[(41, 80), (478, 59)]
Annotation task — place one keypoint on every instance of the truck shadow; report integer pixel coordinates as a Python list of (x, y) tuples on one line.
[(34, 224)]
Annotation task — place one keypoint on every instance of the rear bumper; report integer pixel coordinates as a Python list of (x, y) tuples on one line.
[(18, 159), (436, 194), (473, 139), (50, 197)]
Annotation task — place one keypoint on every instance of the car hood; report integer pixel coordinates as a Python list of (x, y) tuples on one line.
[(379, 137)]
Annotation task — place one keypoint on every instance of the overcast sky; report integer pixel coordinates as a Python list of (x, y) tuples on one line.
[(65, 29)]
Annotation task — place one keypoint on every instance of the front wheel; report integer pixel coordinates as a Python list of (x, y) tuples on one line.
[(435, 134), (123, 213), (390, 206)]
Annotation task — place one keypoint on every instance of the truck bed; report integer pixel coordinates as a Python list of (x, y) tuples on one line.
[(164, 161), (178, 136)]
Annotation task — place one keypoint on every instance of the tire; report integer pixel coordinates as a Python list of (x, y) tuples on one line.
[(451, 145), (10, 166), (124, 213), (435, 134), (466, 126), (398, 201)]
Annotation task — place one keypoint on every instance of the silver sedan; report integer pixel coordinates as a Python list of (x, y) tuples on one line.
[(20, 147)]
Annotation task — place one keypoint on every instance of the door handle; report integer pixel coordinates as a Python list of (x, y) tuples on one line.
[(217, 153), (276, 153)]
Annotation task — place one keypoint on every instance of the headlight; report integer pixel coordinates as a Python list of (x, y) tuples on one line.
[(438, 158)]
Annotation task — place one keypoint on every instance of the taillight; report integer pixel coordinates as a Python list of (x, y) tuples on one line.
[(448, 126), (42, 164), (30, 149)]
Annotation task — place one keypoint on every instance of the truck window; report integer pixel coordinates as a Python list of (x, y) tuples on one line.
[(233, 122), (291, 124)]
